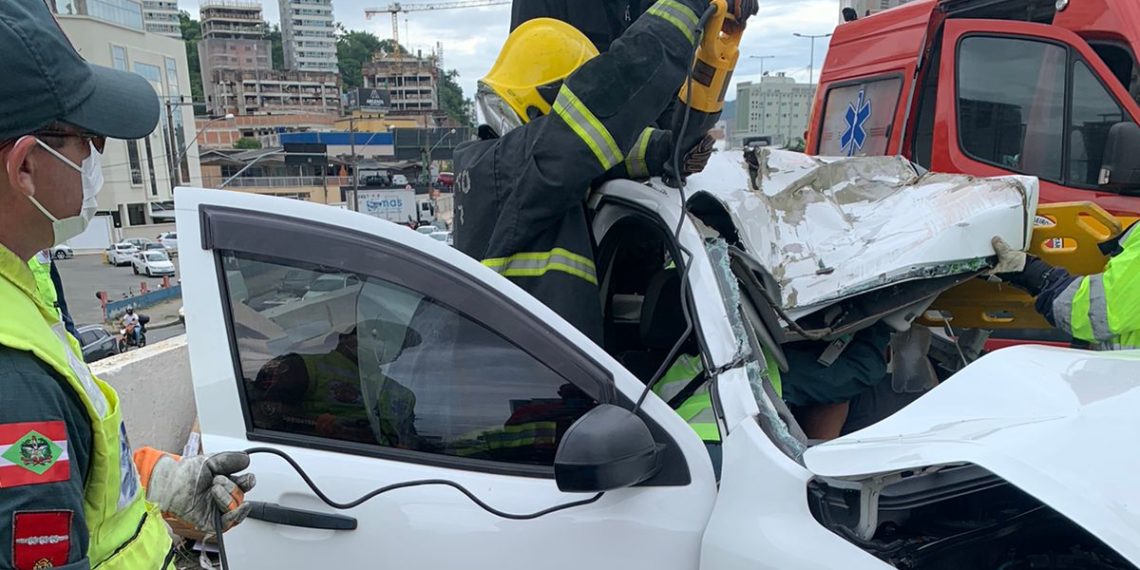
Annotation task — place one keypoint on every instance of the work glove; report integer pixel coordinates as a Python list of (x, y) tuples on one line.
[(191, 489), (1018, 268), (1009, 260), (697, 158), (740, 11)]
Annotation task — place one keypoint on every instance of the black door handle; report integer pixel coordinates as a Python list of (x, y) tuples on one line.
[(274, 513)]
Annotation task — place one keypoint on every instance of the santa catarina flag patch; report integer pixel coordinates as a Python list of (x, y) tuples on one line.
[(32, 453)]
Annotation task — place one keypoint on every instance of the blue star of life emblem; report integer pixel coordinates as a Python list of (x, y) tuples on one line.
[(858, 112)]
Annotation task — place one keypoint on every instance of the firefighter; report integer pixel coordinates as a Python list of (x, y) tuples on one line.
[(1102, 310), (70, 493), (559, 117)]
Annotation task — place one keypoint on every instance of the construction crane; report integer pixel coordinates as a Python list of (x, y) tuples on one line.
[(395, 8)]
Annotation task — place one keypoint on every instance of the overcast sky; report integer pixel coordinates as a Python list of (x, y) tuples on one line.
[(472, 37)]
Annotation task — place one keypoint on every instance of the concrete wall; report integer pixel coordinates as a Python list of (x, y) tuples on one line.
[(155, 391)]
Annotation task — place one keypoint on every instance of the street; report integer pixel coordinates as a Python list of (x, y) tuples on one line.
[(84, 275)]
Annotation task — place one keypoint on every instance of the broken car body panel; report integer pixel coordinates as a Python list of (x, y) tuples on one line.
[(830, 228), (1058, 424)]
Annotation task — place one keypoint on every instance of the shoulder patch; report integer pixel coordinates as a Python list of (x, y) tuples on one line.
[(33, 453), (41, 539)]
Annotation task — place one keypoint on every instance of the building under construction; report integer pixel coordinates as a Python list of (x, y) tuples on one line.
[(237, 67), (412, 82)]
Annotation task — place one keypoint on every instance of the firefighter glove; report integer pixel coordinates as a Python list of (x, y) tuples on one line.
[(740, 10), (1009, 260), (192, 488), (698, 156)]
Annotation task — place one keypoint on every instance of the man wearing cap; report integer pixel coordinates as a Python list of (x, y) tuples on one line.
[(70, 493)]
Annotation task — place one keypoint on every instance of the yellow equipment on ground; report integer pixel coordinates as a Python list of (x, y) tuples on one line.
[(1065, 235)]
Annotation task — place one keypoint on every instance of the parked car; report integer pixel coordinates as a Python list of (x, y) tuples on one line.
[(121, 253), (426, 229), (446, 178), (139, 243), (152, 264), (442, 235), (62, 251), (296, 281), (169, 240), (330, 283), (399, 180), (97, 343)]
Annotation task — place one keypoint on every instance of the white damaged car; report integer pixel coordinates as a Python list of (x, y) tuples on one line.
[(436, 367)]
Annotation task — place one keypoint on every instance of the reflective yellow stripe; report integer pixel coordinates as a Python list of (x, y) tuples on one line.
[(678, 14), (588, 128), (536, 264), (635, 163)]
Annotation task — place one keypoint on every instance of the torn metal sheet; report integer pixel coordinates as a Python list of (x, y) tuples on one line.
[(830, 228)]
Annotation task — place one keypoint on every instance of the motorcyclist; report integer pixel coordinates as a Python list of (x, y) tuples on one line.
[(131, 325)]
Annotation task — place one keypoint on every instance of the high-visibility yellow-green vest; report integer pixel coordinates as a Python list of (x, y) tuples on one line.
[(1105, 308), (697, 409), (126, 532), (44, 285)]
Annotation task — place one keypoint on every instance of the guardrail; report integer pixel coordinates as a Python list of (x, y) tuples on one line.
[(277, 181)]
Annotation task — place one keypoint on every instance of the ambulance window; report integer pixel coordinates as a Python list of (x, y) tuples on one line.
[(1015, 122), (1094, 113), (857, 117), (1119, 60)]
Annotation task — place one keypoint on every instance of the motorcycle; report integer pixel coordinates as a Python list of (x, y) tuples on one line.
[(127, 336)]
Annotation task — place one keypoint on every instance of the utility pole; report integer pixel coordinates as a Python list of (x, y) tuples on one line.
[(170, 156), (811, 64), (355, 163)]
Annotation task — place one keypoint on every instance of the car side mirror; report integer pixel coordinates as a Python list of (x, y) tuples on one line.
[(607, 448), (1120, 169)]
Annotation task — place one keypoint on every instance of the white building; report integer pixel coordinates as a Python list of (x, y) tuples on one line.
[(777, 107), (307, 35), (161, 17), (139, 176), (868, 7)]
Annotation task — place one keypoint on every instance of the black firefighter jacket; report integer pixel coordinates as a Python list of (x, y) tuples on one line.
[(520, 198)]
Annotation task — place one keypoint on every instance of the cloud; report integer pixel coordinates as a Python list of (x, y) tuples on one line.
[(471, 37)]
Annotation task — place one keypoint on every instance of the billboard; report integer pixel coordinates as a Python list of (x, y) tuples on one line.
[(369, 99)]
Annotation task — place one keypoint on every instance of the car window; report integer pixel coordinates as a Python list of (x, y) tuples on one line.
[(387, 367), (87, 337), (1016, 122), (1094, 112), (156, 257)]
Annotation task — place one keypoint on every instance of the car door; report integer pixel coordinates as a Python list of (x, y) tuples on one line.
[(434, 367), (1043, 109)]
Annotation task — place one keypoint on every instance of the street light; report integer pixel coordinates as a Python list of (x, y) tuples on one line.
[(811, 64), (761, 58), (427, 157), (186, 149)]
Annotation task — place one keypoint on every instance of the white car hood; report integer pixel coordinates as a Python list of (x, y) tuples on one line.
[(1060, 424), (831, 228)]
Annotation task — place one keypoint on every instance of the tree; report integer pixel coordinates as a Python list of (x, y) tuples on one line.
[(247, 143), (191, 33), (451, 99), (353, 50), (277, 49)]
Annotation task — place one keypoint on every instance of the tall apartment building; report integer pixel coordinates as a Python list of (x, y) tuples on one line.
[(307, 35), (140, 175), (237, 67), (776, 106), (161, 17), (410, 80), (868, 7)]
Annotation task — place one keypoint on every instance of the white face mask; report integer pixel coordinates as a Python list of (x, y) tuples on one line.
[(92, 173)]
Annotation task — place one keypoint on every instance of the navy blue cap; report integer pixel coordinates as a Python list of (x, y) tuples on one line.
[(43, 79)]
